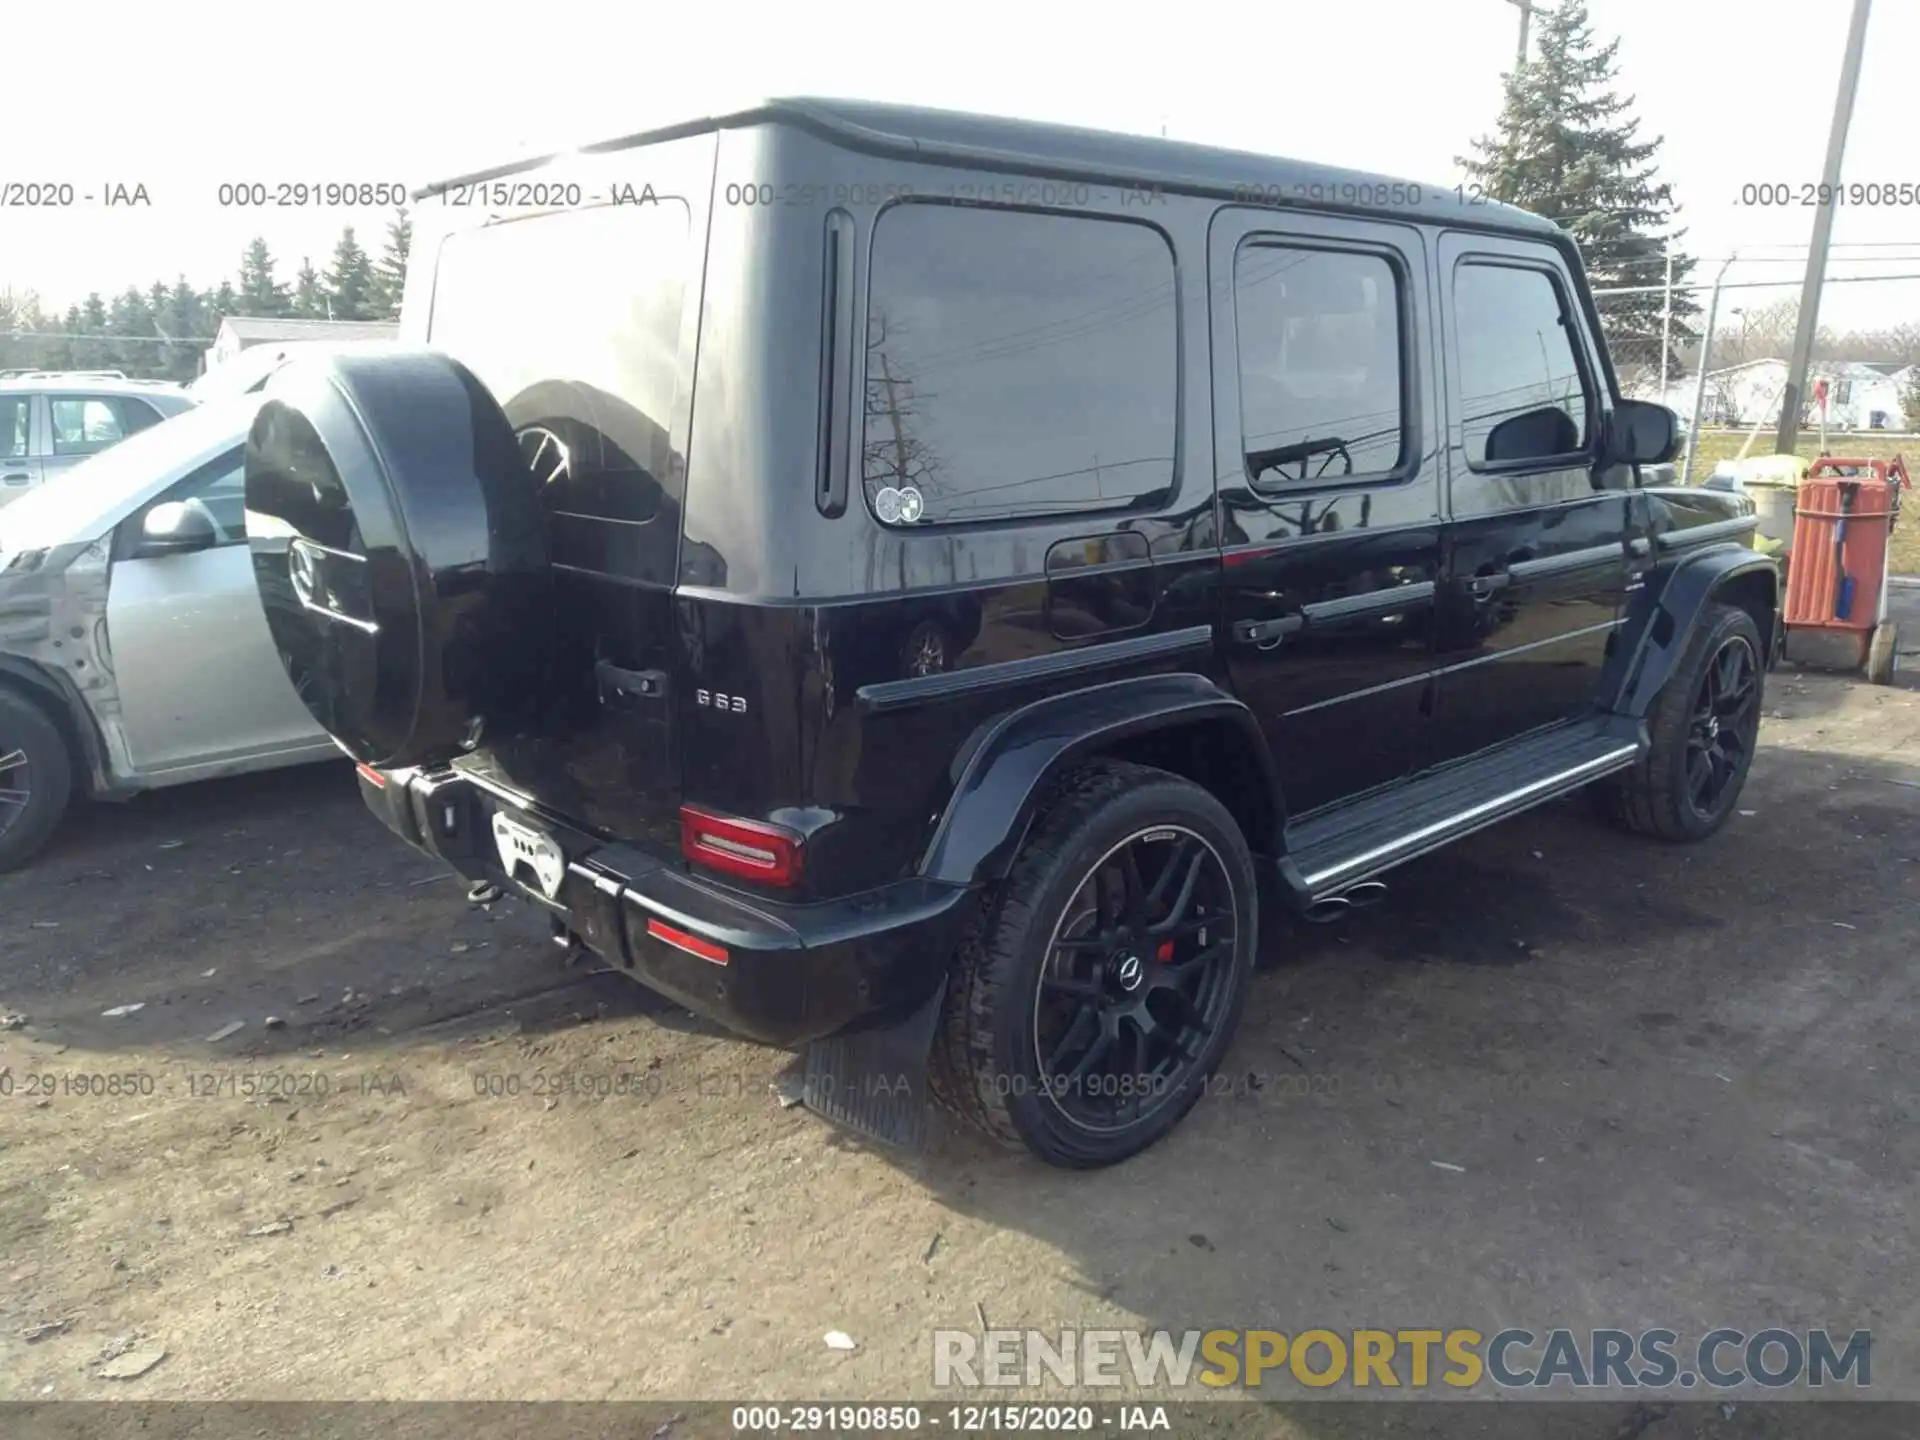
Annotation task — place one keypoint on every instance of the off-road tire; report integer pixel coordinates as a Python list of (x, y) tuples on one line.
[(25, 727), (1651, 798), (982, 1070)]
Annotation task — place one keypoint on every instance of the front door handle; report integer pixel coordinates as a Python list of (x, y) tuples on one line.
[(15, 479), (1267, 632)]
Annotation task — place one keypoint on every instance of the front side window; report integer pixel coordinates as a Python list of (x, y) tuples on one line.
[(221, 487), (216, 491), (1522, 394), (1321, 348), (1018, 365)]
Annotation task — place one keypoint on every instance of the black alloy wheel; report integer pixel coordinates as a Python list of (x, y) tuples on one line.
[(1703, 730), (1724, 725), (1099, 985), (1137, 979)]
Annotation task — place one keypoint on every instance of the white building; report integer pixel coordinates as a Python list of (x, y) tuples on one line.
[(244, 332), (1861, 395)]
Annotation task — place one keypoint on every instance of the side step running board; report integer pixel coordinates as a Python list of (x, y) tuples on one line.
[(1336, 850)]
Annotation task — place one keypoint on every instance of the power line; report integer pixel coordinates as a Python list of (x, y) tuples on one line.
[(1748, 284), (105, 339), (1913, 253)]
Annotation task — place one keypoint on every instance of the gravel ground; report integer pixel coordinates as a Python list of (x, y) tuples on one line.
[(1561, 1077)]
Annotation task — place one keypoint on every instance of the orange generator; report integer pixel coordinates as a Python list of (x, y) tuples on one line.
[(1836, 603)]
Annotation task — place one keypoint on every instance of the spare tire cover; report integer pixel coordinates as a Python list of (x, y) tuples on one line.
[(399, 548)]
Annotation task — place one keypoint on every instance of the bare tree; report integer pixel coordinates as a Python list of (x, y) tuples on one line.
[(891, 453)]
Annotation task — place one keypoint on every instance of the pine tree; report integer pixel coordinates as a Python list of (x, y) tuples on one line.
[(390, 274), (260, 293), (1567, 147), (60, 354), (130, 319), (309, 300), (184, 319), (91, 353), (350, 280), (225, 302)]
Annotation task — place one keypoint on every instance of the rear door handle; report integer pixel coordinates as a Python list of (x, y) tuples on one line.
[(1267, 632), (628, 689), (15, 479)]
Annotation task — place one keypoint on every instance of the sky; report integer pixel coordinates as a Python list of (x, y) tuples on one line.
[(183, 97)]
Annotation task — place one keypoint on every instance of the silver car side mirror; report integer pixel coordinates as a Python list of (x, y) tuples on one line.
[(175, 527)]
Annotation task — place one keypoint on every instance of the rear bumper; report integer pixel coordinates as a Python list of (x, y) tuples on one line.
[(791, 973)]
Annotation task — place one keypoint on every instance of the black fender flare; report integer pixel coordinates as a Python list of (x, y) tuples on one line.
[(64, 703), (1662, 617), (1006, 764)]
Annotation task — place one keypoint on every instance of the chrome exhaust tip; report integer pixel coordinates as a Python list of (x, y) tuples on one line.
[(1367, 892), (1357, 896), (1324, 912)]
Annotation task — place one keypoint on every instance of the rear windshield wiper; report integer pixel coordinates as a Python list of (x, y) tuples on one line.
[(1298, 453)]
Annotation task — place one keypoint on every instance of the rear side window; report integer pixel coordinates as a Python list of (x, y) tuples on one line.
[(1018, 365), (1522, 395), (1321, 349)]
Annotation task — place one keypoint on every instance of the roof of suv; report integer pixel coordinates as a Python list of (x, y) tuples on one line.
[(913, 133), (93, 382)]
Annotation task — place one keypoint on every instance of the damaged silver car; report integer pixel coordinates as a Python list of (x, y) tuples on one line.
[(133, 651)]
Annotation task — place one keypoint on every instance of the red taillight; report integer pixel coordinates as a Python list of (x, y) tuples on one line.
[(373, 776), (681, 940), (740, 847)]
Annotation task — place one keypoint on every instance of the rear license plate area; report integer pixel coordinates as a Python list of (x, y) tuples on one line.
[(531, 858)]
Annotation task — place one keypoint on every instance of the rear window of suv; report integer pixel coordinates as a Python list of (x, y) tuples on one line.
[(1018, 365)]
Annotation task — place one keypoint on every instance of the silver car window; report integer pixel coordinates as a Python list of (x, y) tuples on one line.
[(14, 410)]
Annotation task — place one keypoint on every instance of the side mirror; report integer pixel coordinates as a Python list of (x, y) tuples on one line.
[(1640, 432), (175, 528)]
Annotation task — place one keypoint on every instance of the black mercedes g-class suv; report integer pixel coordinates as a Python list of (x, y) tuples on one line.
[(909, 585)]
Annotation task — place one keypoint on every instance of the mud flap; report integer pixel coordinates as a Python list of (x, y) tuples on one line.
[(874, 1082)]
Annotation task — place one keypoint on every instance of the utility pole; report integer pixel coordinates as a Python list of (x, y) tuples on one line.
[(1789, 431), (1526, 16)]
